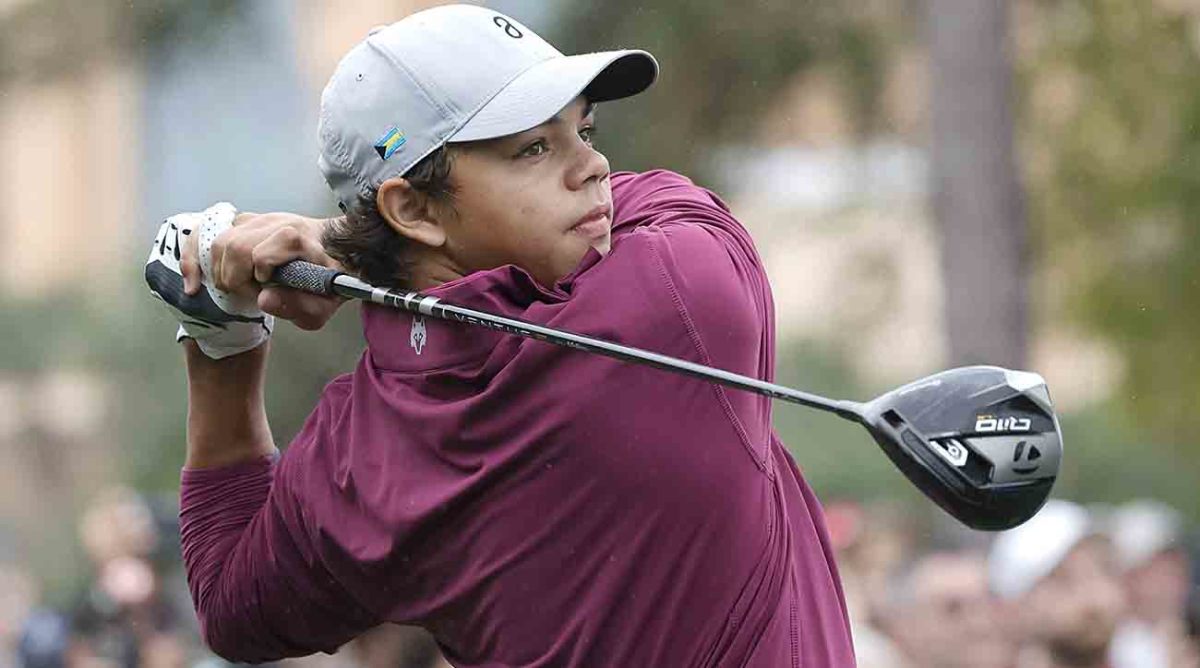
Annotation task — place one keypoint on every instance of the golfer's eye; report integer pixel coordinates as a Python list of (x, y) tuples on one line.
[(534, 149), (588, 134)]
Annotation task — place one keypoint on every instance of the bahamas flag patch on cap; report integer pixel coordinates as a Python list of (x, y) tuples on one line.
[(390, 142)]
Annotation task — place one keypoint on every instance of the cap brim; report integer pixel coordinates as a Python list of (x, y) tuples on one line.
[(540, 92)]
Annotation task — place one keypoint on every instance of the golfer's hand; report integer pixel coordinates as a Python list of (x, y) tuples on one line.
[(222, 324), (245, 256)]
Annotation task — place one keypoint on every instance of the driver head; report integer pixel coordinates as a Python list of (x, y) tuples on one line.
[(983, 442)]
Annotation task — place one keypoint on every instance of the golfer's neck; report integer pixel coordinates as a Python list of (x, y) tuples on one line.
[(432, 268)]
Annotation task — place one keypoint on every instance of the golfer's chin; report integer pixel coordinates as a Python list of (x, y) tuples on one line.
[(603, 244), (568, 261)]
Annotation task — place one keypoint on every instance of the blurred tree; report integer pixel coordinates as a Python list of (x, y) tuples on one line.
[(48, 38), (976, 194), (1112, 132), (133, 341), (724, 68), (839, 458), (127, 340)]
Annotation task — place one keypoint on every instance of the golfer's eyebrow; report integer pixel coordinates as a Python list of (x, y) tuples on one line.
[(558, 118)]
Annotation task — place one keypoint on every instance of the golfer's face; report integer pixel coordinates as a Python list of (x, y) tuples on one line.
[(538, 199)]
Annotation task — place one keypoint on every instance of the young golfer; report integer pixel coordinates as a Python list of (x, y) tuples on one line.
[(528, 504)]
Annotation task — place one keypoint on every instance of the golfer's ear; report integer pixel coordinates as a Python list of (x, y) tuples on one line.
[(409, 212)]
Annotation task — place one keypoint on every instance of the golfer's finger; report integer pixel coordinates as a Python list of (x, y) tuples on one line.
[(233, 263), (189, 265), (284, 245), (305, 310), (246, 218)]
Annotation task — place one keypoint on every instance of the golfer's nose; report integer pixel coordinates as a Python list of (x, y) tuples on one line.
[(588, 165)]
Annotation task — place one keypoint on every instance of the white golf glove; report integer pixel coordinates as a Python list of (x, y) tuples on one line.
[(221, 323)]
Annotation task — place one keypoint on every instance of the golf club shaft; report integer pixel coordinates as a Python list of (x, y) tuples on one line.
[(321, 280)]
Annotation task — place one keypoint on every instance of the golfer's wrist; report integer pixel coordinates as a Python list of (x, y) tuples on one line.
[(227, 422)]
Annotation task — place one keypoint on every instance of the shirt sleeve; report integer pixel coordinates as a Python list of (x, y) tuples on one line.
[(718, 288), (259, 587), (710, 256), (709, 263)]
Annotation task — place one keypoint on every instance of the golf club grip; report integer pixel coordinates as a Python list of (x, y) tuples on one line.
[(306, 276)]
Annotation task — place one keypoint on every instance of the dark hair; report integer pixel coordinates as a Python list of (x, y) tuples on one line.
[(367, 246)]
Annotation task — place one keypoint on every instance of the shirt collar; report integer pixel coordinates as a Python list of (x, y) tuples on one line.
[(401, 341)]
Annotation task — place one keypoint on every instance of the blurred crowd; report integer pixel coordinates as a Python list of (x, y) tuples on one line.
[(1076, 586), (133, 610)]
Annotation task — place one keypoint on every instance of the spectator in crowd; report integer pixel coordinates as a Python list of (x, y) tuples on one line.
[(869, 543), (1192, 613), (45, 641), (129, 617), (941, 614), (125, 618), (1156, 573), (18, 596), (1058, 576)]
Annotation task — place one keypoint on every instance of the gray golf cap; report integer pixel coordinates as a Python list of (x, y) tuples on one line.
[(453, 73)]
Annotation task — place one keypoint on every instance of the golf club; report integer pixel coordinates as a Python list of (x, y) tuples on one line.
[(981, 441)]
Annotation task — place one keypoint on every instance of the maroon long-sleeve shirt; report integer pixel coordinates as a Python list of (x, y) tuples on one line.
[(533, 505)]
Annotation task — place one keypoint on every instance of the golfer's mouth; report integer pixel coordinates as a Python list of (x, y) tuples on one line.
[(594, 224)]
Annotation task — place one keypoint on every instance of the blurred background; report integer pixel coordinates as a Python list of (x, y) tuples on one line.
[(930, 183)]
